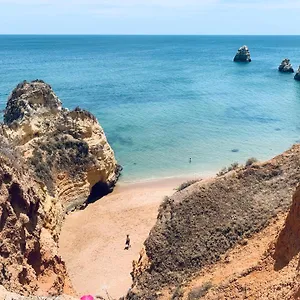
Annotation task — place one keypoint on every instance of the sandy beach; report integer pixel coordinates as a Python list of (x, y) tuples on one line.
[(92, 240)]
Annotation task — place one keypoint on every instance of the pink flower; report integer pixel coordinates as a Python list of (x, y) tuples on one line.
[(87, 297)]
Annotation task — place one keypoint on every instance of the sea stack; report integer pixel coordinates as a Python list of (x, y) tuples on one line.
[(285, 66), (297, 75), (242, 55)]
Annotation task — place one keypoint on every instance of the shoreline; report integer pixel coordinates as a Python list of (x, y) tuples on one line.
[(147, 182)]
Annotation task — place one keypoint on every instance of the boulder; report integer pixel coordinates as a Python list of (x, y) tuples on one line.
[(242, 55), (286, 66)]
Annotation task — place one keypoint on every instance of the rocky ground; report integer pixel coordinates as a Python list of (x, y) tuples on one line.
[(5, 295), (196, 226)]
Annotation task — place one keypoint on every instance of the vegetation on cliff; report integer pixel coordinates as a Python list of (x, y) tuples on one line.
[(67, 150), (200, 223), (51, 160)]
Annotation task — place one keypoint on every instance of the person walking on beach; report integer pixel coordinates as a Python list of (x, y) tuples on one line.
[(127, 243)]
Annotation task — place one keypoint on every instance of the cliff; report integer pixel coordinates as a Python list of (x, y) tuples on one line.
[(67, 150), (196, 226), (29, 228), (52, 160), (265, 266)]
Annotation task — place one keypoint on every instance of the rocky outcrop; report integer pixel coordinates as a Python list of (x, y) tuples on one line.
[(242, 55), (30, 221), (288, 242), (285, 66), (200, 223), (297, 75), (52, 160), (67, 150)]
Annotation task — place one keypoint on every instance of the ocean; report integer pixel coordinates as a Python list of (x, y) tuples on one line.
[(164, 99)]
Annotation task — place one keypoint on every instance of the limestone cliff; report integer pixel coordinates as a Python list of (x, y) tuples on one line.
[(199, 224), (242, 55), (30, 221), (67, 150), (51, 160)]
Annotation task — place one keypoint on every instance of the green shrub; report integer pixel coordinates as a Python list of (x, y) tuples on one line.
[(222, 172), (250, 161), (187, 184), (225, 170)]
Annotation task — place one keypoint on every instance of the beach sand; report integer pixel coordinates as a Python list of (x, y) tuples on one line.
[(92, 240)]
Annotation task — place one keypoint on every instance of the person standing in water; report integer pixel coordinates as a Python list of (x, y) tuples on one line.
[(190, 160), (127, 243)]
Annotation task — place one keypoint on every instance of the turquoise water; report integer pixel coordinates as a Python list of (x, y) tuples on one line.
[(164, 99)]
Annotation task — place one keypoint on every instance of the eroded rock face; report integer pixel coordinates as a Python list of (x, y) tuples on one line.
[(67, 150), (285, 66), (297, 75), (288, 242), (30, 222), (242, 55), (200, 223), (51, 160)]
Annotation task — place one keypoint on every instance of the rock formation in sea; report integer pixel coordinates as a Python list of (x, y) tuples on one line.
[(199, 224), (242, 55), (67, 150), (286, 66), (52, 160), (297, 75)]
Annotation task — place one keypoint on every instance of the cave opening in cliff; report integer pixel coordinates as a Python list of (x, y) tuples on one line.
[(99, 190)]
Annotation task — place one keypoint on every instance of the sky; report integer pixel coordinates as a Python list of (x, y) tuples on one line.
[(240, 17)]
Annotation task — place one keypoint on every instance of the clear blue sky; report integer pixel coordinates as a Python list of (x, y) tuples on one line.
[(149, 16)]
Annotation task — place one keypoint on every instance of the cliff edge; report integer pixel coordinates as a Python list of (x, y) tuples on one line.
[(52, 160), (30, 221), (199, 224), (67, 150)]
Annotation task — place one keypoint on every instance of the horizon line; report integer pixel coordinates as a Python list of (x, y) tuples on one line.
[(140, 34)]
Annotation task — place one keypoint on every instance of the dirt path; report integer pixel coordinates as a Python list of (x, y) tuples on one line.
[(92, 241)]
